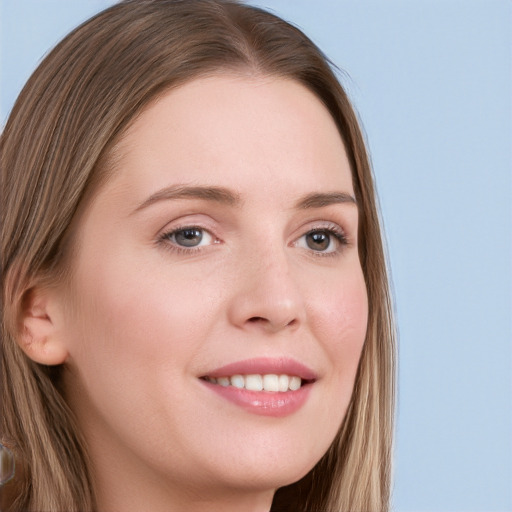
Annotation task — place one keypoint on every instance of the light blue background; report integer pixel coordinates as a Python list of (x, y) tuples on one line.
[(432, 81)]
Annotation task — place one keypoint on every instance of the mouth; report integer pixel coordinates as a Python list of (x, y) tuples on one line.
[(273, 383), (269, 387)]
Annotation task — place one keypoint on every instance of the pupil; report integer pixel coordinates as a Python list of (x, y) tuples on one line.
[(318, 241), (189, 237)]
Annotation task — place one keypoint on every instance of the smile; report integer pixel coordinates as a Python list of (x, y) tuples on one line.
[(268, 382), (268, 387)]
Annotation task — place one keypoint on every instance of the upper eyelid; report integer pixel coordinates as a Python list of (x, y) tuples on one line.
[(188, 222), (327, 225), (172, 231)]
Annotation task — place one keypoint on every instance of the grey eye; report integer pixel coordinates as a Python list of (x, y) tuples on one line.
[(188, 237)]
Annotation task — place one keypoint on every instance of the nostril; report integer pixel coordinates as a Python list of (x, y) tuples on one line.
[(259, 319)]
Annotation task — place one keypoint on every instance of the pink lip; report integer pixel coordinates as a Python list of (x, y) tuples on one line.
[(264, 366), (265, 403)]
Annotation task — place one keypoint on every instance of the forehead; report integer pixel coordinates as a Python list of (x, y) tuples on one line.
[(251, 133)]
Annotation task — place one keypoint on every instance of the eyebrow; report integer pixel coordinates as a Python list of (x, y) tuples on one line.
[(322, 199), (216, 194), (226, 196)]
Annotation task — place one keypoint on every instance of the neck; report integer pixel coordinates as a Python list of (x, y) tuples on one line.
[(134, 498)]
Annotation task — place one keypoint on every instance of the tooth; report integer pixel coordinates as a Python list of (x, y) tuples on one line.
[(238, 381), (294, 383), (284, 381), (271, 382), (254, 382), (223, 381)]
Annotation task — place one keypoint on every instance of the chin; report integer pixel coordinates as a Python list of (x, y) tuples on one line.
[(269, 469)]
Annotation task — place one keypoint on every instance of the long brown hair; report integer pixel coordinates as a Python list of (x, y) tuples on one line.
[(53, 150)]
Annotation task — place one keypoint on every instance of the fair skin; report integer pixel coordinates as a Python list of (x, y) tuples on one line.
[(268, 270)]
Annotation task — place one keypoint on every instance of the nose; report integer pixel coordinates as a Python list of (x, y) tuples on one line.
[(266, 294)]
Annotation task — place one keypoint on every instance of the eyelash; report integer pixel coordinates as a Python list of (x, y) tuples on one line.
[(332, 230), (165, 239)]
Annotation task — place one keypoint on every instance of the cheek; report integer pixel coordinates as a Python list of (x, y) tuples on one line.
[(341, 310), (340, 321), (132, 315), (135, 336)]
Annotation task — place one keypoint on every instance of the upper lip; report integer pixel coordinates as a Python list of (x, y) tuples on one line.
[(264, 366)]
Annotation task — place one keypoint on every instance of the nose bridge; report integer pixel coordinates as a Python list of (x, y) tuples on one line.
[(272, 271), (267, 293)]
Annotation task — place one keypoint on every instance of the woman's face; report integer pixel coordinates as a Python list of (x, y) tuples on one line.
[(219, 258)]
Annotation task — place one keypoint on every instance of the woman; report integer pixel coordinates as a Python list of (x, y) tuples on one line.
[(196, 312)]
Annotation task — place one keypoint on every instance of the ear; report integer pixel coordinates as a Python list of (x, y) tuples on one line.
[(40, 330)]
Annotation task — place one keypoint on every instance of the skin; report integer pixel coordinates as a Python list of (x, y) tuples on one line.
[(143, 318)]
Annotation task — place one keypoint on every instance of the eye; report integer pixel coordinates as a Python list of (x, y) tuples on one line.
[(189, 237), (318, 240), (325, 240)]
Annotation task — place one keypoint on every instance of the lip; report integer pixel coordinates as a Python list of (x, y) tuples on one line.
[(265, 403), (264, 366)]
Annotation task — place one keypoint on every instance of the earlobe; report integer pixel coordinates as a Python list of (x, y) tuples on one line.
[(39, 333)]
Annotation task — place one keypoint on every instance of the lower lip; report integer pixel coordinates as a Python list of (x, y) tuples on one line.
[(264, 403)]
